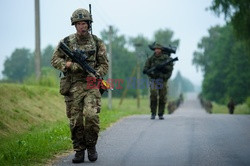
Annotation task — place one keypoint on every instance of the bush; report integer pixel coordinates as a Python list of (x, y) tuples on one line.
[(49, 77), (248, 102)]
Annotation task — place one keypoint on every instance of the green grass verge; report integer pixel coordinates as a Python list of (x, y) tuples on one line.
[(43, 139), (222, 109), (36, 146), (22, 107)]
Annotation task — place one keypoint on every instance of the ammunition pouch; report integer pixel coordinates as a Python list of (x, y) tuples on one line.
[(65, 84)]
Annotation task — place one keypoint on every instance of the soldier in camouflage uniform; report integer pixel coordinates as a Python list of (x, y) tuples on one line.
[(155, 90), (82, 104), (231, 106)]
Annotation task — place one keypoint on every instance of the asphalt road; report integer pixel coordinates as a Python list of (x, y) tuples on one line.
[(188, 137)]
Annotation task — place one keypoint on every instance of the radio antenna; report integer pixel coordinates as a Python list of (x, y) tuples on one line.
[(91, 18)]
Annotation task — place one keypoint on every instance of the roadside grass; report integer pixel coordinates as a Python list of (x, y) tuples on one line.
[(34, 127), (222, 109), (22, 107), (36, 146)]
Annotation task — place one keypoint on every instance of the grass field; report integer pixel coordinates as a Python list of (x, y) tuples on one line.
[(34, 127)]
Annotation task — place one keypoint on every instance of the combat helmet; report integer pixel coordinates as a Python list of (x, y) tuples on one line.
[(81, 15), (155, 45), (165, 49)]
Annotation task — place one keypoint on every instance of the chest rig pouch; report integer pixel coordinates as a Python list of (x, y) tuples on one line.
[(65, 84), (90, 47)]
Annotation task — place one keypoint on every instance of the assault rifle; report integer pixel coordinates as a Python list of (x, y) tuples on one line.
[(79, 56), (160, 67)]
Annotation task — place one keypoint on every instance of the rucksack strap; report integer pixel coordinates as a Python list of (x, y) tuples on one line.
[(96, 42)]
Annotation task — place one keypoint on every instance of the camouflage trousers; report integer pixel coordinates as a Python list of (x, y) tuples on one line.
[(82, 108), (158, 97)]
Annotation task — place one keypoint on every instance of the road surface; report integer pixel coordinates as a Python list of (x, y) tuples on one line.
[(188, 137)]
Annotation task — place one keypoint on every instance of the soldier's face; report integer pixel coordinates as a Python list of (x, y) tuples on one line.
[(157, 51), (81, 27)]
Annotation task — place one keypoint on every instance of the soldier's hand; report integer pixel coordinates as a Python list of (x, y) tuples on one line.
[(68, 64)]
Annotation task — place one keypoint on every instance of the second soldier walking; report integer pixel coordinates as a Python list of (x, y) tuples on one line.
[(158, 80)]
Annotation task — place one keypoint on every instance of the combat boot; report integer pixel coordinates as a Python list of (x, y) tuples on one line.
[(161, 117), (92, 154), (152, 116), (79, 157)]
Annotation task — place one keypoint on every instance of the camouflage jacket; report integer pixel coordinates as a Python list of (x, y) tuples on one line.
[(153, 61), (97, 60)]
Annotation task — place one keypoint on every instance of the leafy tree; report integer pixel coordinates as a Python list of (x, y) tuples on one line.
[(46, 56), (16, 66), (225, 64), (185, 84), (140, 45), (45, 61), (165, 37), (49, 77), (142, 52), (179, 85), (236, 11), (123, 60), (238, 79), (212, 58)]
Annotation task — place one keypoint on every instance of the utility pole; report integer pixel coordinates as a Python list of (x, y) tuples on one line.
[(138, 76), (110, 66), (37, 41)]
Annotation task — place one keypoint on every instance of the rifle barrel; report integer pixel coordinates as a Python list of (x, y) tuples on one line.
[(162, 64)]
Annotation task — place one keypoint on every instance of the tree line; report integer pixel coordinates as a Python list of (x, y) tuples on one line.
[(224, 55), (19, 67)]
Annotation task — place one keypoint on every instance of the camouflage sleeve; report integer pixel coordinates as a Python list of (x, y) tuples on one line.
[(102, 59), (59, 60), (147, 65)]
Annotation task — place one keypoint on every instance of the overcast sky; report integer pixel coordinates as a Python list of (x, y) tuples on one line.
[(188, 19)]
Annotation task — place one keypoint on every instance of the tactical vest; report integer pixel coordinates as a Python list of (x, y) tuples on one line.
[(89, 46)]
